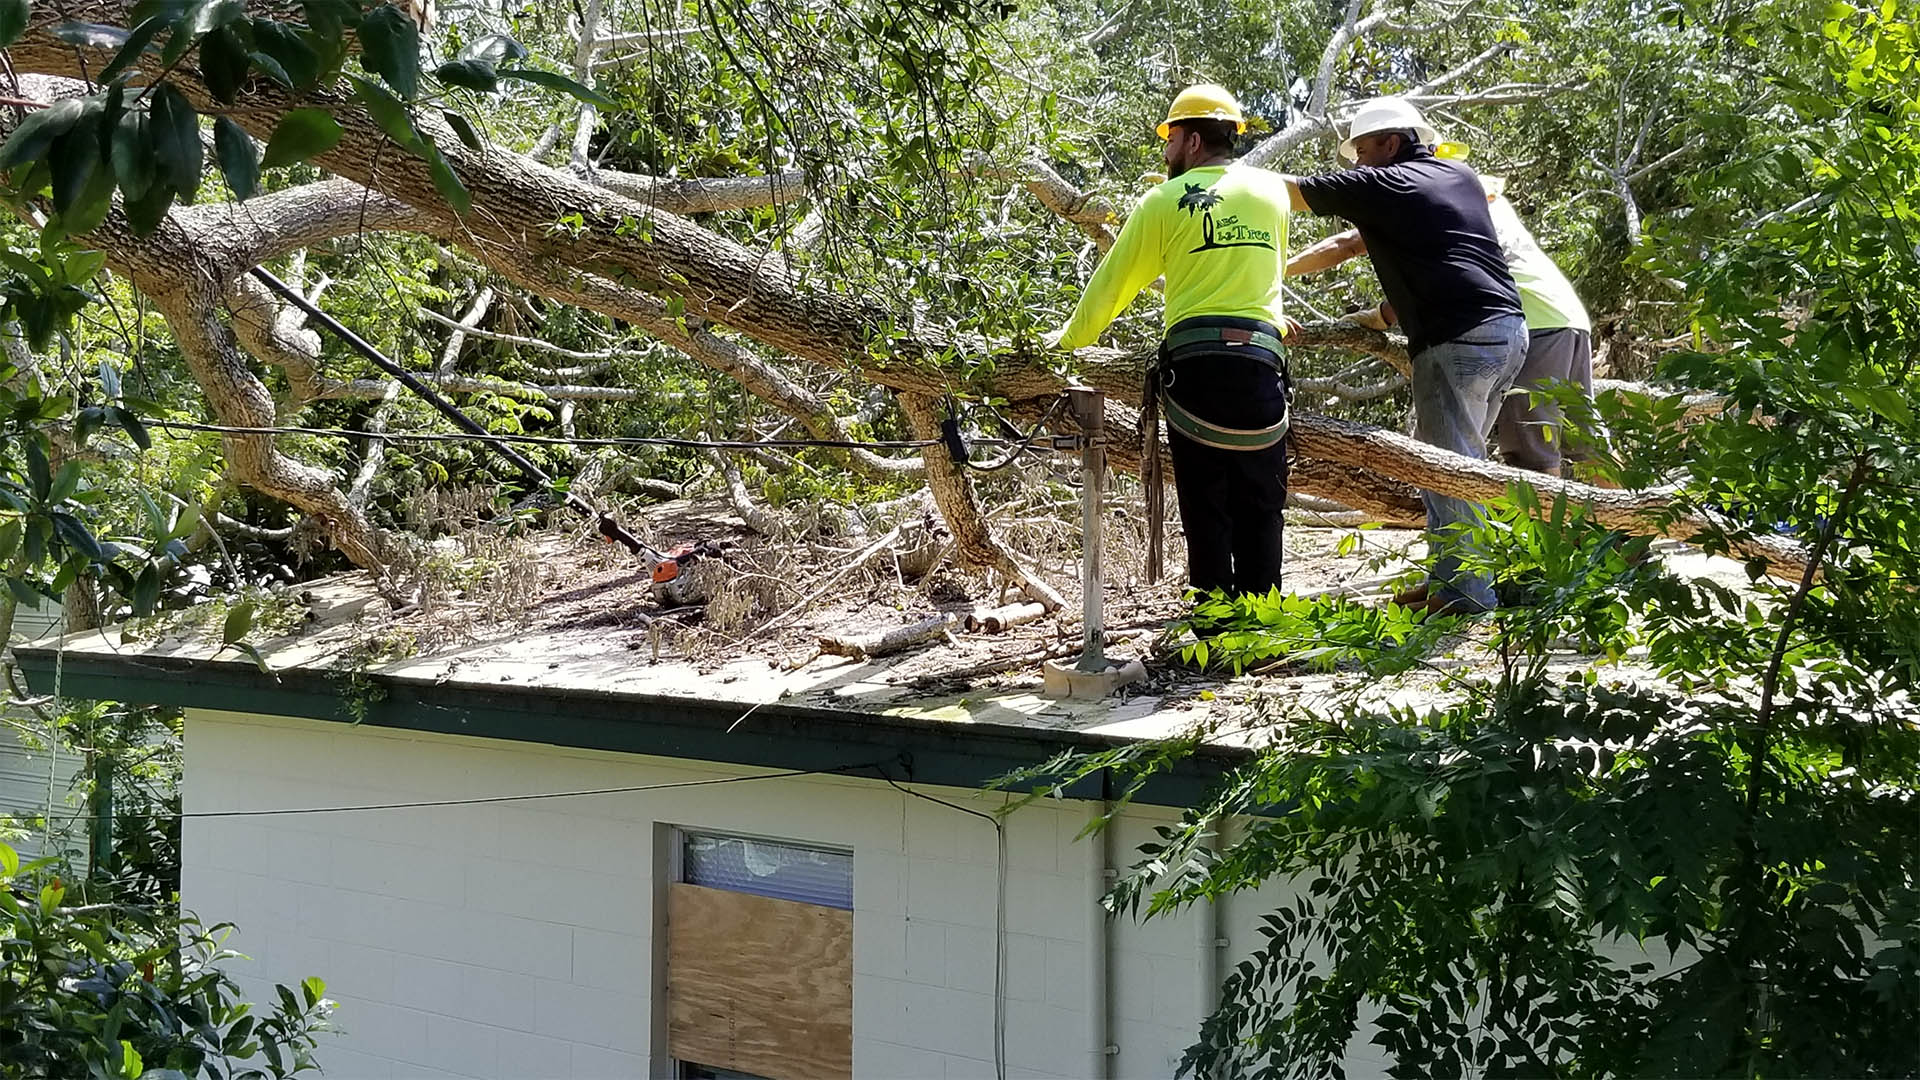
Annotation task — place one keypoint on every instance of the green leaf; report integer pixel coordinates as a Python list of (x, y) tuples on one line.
[(233, 148), (86, 422), (302, 134), (268, 66), (130, 1064), (553, 81), (387, 111), (224, 63), (9, 863), (445, 180), (144, 213), (286, 44), (139, 40), (176, 138), (494, 49), (68, 574), (73, 157), (64, 483), (209, 15), (472, 73), (81, 266), (130, 423), (463, 129), (10, 532), (313, 988), (133, 157), (239, 621), (261, 663), (23, 592), (201, 19), (13, 20), (90, 35), (146, 591), (390, 48), (30, 140), (39, 473), (77, 536)]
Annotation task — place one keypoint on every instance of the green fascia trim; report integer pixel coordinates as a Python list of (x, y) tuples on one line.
[(773, 736)]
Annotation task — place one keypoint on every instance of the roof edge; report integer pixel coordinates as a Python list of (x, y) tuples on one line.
[(766, 735)]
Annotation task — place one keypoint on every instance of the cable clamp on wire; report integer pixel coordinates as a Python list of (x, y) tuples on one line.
[(950, 436)]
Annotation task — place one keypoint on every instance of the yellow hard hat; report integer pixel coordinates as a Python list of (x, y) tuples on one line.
[(1203, 102)]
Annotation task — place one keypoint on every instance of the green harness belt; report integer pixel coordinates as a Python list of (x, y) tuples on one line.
[(1205, 432)]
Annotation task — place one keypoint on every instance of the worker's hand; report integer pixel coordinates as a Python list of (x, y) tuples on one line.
[(1289, 328), (1051, 339), (1367, 317)]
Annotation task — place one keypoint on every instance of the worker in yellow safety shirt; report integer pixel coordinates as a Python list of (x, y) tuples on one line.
[(1218, 232), (1531, 433)]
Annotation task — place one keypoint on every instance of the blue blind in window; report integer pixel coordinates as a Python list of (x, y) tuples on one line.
[(766, 868)]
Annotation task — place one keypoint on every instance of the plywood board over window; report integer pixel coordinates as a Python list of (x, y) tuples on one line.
[(759, 985)]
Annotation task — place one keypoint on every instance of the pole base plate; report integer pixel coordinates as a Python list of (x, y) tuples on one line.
[(1064, 679)]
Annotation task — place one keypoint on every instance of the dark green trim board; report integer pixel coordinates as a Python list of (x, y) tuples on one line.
[(774, 736)]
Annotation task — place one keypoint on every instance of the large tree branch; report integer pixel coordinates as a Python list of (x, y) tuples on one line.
[(953, 493), (174, 269)]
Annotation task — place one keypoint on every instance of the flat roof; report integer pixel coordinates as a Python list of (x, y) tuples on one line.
[(573, 650)]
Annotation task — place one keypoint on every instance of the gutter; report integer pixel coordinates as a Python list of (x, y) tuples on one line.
[(766, 735)]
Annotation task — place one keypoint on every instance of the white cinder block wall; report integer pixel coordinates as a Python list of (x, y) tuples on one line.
[(515, 940)]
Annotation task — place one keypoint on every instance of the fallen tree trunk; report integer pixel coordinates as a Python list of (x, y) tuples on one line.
[(881, 643), (622, 251)]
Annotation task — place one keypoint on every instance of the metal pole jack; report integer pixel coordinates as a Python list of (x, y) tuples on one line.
[(1093, 675), (1089, 407)]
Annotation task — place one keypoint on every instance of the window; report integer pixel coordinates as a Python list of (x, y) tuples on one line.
[(764, 868), (759, 946)]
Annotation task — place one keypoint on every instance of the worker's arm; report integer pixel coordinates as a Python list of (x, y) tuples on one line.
[(1130, 265), (1328, 253), (1373, 318)]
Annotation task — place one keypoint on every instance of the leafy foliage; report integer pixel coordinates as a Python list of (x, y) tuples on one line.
[(1714, 875), (118, 991)]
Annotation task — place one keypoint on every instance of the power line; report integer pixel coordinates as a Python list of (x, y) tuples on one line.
[(548, 440), (478, 800)]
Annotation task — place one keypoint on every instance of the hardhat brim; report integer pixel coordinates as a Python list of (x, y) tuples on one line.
[(1165, 130), (1427, 134)]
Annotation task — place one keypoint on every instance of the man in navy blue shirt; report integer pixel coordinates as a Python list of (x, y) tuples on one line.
[(1432, 241)]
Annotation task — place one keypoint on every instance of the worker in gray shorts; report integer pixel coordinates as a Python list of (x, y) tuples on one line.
[(1531, 434), (1559, 344)]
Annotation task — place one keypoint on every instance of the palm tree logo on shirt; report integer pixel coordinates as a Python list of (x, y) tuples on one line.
[(1204, 200)]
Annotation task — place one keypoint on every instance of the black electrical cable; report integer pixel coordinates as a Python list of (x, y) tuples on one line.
[(610, 526), (836, 770), (550, 440)]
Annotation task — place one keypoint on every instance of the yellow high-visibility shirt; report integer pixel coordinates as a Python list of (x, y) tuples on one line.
[(1545, 293), (1218, 233)]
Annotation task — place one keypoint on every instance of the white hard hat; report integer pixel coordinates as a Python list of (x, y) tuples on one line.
[(1386, 114)]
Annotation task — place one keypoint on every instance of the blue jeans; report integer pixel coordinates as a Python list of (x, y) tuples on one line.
[(1457, 389)]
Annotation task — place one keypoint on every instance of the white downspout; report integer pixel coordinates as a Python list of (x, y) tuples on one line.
[(1211, 919), (1100, 949)]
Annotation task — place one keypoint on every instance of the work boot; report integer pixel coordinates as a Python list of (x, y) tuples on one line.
[(1441, 606), (1412, 597)]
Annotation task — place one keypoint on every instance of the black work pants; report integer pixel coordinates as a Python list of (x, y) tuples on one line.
[(1231, 501)]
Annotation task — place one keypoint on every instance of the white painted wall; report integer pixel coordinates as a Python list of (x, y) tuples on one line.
[(37, 779), (514, 940)]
